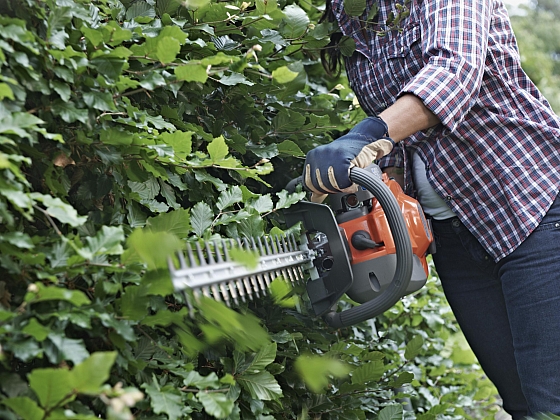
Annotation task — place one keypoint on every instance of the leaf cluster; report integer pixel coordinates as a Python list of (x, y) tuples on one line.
[(129, 128)]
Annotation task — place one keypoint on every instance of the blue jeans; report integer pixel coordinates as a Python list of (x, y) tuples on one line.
[(509, 311)]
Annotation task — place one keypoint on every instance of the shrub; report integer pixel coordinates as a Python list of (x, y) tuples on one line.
[(128, 128)]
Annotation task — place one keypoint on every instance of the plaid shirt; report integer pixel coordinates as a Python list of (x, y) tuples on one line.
[(495, 157)]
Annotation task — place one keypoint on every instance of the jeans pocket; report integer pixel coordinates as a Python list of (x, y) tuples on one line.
[(474, 249), (548, 226)]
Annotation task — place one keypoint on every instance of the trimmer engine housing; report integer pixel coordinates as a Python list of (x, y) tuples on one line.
[(373, 267)]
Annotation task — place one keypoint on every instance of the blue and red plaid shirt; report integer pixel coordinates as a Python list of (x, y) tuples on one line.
[(495, 157)]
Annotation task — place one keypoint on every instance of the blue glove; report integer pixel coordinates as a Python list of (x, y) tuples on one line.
[(327, 167)]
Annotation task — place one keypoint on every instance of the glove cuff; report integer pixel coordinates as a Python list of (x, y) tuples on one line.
[(371, 127)]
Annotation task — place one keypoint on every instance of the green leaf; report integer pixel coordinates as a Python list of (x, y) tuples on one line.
[(354, 7), (261, 386), (251, 227), (154, 247), (228, 198), (134, 303), (193, 378), (391, 412), (152, 81), (201, 218), (263, 204), (281, 291), (25, 407), (63, 89), (109, 67), (158, 122), (347, 46), (136, 217), (174, 31), (403, 378), (265, 151), (26, 349), (52, 386), (413, 347), (216, 404), (6, 315), (316, 370), (218, 149), (245, 330), (294, 23), (265, 7), (248, 258), (165, 318), (146, 190), (15, 123), (58, 209), (176, 222), (195, 4), (6, 91), (94, 36), (283, 75), (264, 357), (67, 349), (18, 239), (165, 400), (203, 176), (368, 372), (69, 112), (116, 136), (180, 141), (107, 242), (139, 9), (167, 49), (37, 330), (288, 147), (235, 79), (288, 121), (88, 376), (191, 73), (102, 101), (40, 293), (285, 199)]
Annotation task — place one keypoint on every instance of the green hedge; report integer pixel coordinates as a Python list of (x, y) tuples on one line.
[(129, 128)]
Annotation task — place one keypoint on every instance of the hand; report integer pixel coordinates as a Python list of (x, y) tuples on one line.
[(327, 167)]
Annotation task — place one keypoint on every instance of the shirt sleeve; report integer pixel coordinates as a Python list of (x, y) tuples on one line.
[(454, 46)]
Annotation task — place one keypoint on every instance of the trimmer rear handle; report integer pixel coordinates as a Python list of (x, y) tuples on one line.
[(404, 255)]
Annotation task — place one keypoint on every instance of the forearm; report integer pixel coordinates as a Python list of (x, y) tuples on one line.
[(407, 116)]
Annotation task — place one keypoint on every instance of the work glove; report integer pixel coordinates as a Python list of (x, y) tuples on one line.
[(327, 167)]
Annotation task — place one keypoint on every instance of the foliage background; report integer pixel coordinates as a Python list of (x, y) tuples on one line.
[(128, 128)]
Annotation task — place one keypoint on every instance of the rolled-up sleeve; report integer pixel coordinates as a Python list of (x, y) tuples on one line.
[(454, 45)]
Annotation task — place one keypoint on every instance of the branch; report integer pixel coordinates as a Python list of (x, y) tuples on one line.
[(49, 218)]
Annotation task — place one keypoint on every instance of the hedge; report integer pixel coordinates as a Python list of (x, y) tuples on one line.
[(128, 129)]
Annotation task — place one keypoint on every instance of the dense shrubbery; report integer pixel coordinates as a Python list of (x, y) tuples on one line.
[(128, 128)]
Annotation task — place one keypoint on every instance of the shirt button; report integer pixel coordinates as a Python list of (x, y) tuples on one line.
[(448, 198)]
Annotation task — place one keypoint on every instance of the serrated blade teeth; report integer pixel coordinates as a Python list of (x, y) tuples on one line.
[(208, 269)]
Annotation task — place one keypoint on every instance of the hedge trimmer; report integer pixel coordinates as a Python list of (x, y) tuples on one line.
[(370, 245)]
